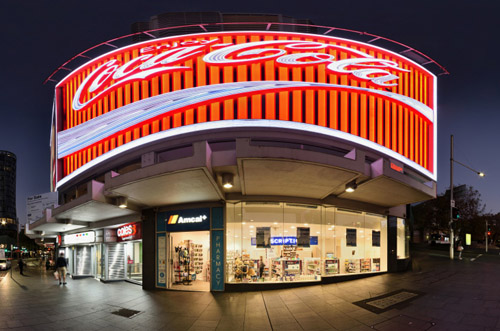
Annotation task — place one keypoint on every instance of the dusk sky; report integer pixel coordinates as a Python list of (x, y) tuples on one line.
[(462, 36)]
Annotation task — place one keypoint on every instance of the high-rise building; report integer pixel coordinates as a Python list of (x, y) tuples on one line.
[(8, 217)]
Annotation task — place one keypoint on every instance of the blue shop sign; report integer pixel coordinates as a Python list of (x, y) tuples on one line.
[(276, 241), (197, 219), (217, 260)]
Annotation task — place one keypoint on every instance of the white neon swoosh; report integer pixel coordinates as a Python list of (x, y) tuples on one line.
[(104, 126)]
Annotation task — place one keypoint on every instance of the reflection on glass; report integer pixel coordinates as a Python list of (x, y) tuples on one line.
[(305, 243)]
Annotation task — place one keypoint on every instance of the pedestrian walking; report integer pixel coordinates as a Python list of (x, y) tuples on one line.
[(21, 265), (61, 266), (460, 249)]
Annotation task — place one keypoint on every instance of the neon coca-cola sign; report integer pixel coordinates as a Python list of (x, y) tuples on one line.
[(151, 91), (288, 53)]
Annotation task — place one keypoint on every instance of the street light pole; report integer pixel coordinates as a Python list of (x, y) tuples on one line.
[(486, 235), (452, 202)]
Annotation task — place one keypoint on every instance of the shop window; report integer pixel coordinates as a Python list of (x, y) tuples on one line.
[(403, 239), (287, 242)]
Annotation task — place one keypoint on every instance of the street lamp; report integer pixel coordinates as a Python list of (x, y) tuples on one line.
[(452, 202)]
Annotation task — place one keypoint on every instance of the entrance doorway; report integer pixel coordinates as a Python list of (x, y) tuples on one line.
[(189, 256)]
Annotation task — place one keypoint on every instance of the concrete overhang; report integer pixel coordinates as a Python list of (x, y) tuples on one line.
[(90, 207), (389, 188), (185, 180), (270, 171)]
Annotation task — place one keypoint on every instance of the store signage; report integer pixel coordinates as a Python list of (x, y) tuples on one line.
[(186, 220), (79, 238), (113, 74), (161, 267), (174, 219), (276, 241), (110, 236), (37, 204), (102, 102), (132, 231), (217, 247)]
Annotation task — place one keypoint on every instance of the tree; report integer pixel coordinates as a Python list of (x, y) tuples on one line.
[(434, 215)]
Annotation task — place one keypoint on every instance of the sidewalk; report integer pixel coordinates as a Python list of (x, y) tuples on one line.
[(448, 295)]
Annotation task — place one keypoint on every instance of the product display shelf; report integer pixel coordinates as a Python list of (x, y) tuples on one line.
[(332, 266), (197, 258), (365, 265), (376, 264), (230, 267), (313, 266), (292, 267), (276, 269), (289, 251), (351, 266)]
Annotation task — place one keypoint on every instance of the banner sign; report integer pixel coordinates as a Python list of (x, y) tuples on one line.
[(197, 219), (350, 237), (161, 265), (375, 238), (217, 247), (303, 237), (276, 241), (263, 237)]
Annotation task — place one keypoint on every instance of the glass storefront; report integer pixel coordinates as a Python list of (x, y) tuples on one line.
[(403, 239), (287, 242), (133, 251)]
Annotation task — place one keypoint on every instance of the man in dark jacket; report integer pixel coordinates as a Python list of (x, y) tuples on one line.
[(21, 265), (61, 265)]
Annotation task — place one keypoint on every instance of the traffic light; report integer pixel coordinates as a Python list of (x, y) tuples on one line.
[(489, 233), (455, 213)]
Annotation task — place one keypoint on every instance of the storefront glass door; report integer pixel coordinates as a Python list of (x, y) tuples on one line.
[(133, 252), (189, 260)]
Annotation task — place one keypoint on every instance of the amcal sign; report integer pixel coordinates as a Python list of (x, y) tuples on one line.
[(186, 220), (174, 219), (353, 91), (132, 231)]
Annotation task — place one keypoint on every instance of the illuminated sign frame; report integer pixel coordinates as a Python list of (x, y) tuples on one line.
[(131, 231), (197, 219), (79, 238), (351, 90)]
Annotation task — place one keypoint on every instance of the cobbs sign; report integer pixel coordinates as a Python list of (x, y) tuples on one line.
[(354, 90)]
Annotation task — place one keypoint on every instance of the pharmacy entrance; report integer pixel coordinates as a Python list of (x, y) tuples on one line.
[(189, 253), (183, 256)]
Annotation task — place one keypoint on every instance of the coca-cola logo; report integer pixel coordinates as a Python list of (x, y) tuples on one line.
[(127, 230), (166, 58)]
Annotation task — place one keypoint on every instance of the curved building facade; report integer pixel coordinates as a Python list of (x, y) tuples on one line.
[(241, 158)]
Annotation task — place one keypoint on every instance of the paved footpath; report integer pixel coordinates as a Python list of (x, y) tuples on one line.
[(445, 295)]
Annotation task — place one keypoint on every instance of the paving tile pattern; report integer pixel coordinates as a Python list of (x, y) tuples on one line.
[(460, 295)]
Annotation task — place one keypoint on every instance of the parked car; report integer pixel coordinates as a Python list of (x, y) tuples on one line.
[(4, 264), (439, 239)]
